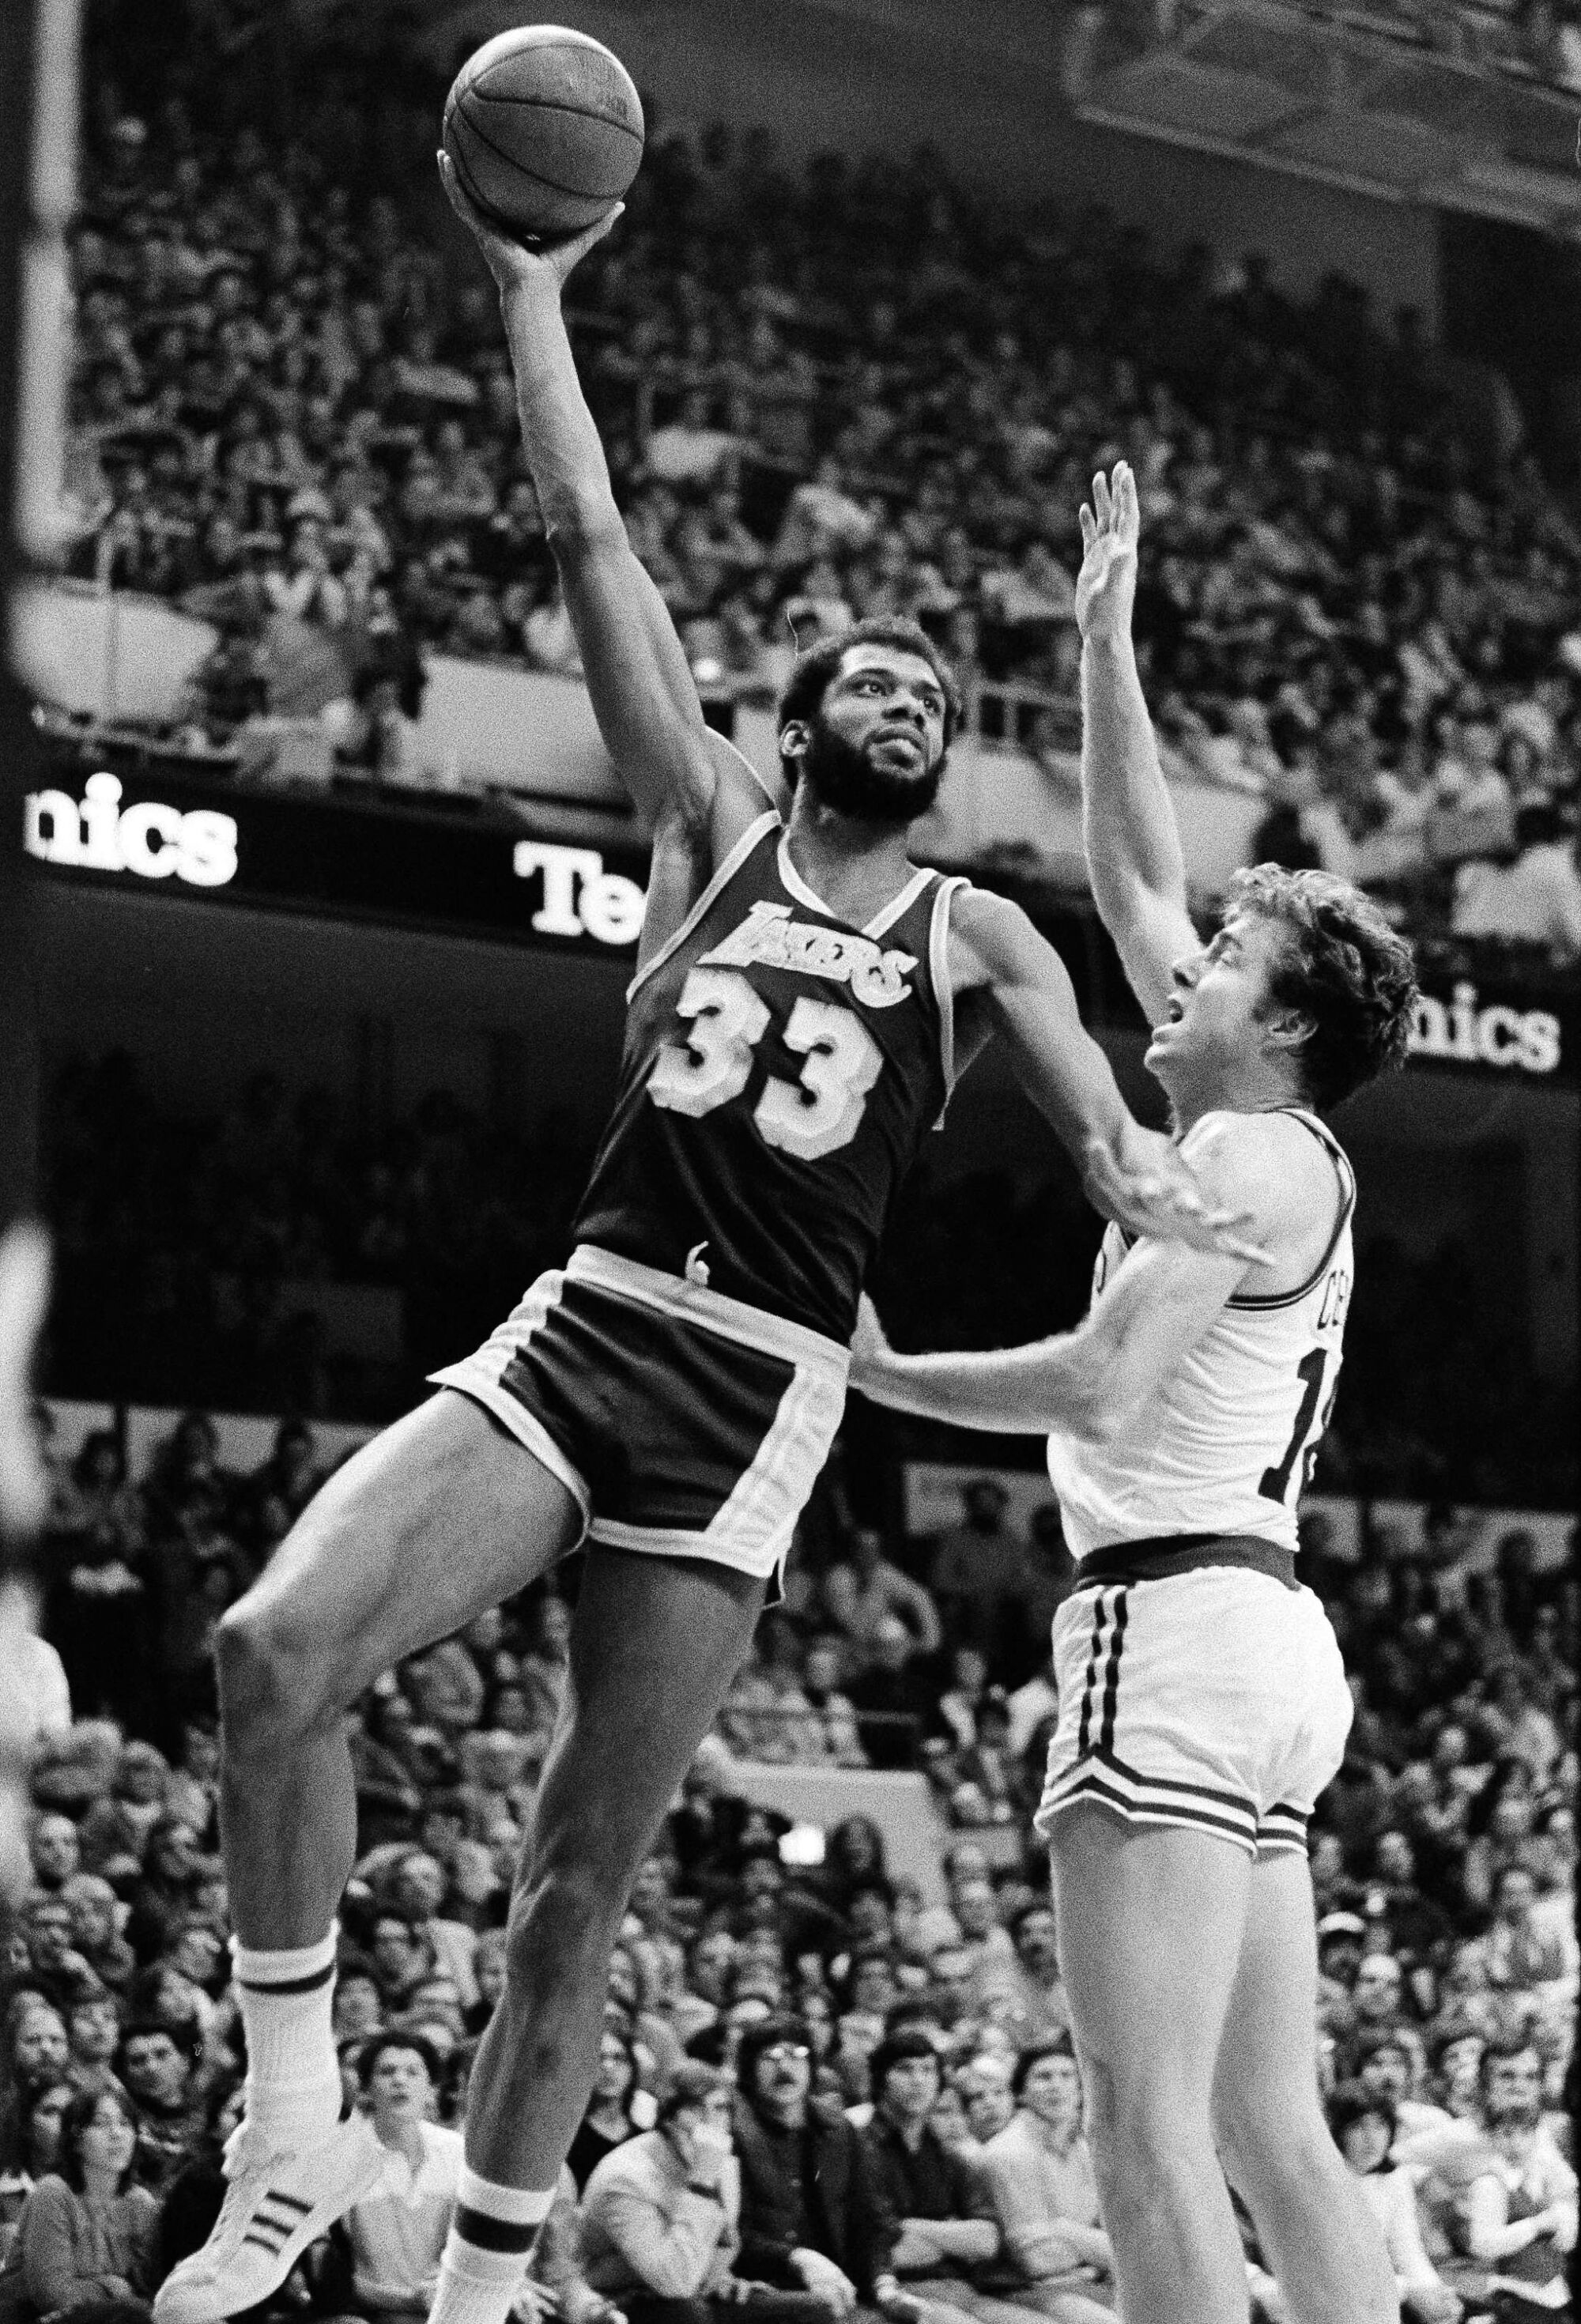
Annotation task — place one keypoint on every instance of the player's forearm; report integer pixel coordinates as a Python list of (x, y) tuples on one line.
[(1009, 1391), (1129, 825), (564, 452)]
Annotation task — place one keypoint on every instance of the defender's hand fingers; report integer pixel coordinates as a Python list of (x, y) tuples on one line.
[(1090, 528)]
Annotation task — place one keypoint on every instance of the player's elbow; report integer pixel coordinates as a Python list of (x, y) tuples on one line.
[(581, 522), (1094, 1399)]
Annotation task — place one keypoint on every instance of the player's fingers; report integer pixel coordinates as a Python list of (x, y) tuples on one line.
[(1127, 506), (1089, 529), (1101, 498)]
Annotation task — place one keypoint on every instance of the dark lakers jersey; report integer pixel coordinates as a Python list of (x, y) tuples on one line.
[(781, 1067)]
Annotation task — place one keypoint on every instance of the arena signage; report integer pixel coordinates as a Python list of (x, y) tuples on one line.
[(1463, 1029), (580, 898), (150, 839), (157, 826)]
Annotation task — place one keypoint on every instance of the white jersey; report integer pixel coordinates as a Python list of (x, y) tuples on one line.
[(1224, 1444)]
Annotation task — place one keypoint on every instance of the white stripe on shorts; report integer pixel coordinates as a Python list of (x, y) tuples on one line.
[(479, 1376)]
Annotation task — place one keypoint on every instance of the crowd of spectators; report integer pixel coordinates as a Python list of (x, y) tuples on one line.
[(842, 388), (824, 2088)]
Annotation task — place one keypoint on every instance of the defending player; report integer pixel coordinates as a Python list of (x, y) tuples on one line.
[(1202, 1702), (803, 1000)]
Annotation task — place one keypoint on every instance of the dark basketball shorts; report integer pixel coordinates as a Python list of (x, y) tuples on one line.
[(1214, 1700), (683, 1424)]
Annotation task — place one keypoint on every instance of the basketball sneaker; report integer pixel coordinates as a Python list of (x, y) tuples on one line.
[(277, 2203)]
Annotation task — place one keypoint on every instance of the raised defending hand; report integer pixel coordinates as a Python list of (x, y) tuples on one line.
[(513, 265), (1105, 588), (1143, 1182)]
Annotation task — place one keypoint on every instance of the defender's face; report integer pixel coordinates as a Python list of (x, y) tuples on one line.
[(1217, 1009), (889, 705)]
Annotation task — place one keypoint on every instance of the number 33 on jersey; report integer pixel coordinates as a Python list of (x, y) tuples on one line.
[(781, 1069)]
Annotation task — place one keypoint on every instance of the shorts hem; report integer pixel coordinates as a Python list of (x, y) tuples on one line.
[(472, 1378), (656, 1541), (1096, 1784)]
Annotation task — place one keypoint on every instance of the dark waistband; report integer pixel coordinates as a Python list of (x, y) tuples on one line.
[(1164, 1554)]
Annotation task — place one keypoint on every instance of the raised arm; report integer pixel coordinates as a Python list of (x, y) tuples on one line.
[(1008, 979), (643, 692), (1129, 825)]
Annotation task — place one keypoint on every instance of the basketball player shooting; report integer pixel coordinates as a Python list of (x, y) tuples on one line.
[(803, 1000), (1203, 1706)]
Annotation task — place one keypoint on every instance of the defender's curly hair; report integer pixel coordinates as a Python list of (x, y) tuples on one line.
[(1342, 965), (813, 668)]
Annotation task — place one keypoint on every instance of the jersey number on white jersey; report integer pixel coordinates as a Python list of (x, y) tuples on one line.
[(1305, 1439)]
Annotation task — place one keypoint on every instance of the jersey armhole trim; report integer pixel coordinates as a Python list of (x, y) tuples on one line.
[(1260, 1303), (719, 880), (943, 991), (736, 751)]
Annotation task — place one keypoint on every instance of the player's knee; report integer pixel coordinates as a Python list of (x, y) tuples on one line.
[(1269, 2139), (1141, 2129), (276, 1679)]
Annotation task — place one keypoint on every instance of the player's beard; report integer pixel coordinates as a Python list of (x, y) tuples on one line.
[(841, 777)]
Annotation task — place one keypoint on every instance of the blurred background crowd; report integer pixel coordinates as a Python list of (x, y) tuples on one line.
[(772, 1973), (835, 2080), (826, 391)]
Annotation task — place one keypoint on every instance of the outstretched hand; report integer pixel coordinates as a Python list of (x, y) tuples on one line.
[(514, 265), (1105, 588), (1143, 1182)]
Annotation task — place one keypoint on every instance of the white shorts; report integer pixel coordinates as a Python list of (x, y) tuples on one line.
[(1215, 1700)]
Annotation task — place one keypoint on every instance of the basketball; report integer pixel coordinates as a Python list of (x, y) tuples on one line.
[(545, 129)]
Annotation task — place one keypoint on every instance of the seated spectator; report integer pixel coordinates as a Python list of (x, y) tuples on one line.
[(397, 2233), (1038, 2175), (1364, 2128), (95, 1930), (36, 2057), (1025, 1993), (892, 1694), (1517, 2212), (1522, 1955), (55, 1969), (978, 1571), (948, 2234), (158, 2069), (93, 2030), (661, 2214), (416, 1888), (860, 1590), (1531, 894), (34, 2153), (613, 2109), (984, 2085), (115, 1831), (812, 2216), (86, 2235)]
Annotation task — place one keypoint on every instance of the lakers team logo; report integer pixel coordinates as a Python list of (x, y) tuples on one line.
[(770, 938)]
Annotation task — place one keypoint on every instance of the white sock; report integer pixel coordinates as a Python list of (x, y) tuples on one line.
[(486, 2252), (293, 2075)]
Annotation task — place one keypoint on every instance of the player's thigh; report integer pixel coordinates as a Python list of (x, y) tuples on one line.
[(1150, 1920), (1265, 2086), (437, 1519), (655, 1642)]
